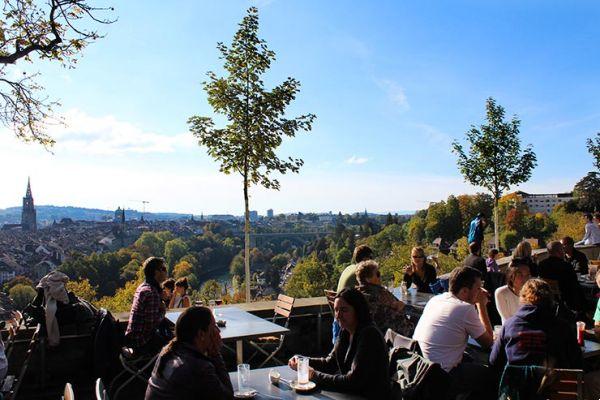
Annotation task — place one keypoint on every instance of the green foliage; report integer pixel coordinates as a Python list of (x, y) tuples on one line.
[(123, 297), (21, 295), (236, 268), (494, 160), (382, 242), (182, 269), (568, 224), (415, 230), (587, 192), (257, 121), (153, 243), (175, 249), (310, 277), (17, 280), (509, 239), (462, 250), (443, 220), (82, 289), (211, 290), (343, 257), (593, 146)]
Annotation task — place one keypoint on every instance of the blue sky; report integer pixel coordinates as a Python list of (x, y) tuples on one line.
[(392, 84)]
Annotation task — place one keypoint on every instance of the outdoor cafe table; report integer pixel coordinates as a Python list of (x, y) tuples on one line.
[(240, 326), (259, 381)]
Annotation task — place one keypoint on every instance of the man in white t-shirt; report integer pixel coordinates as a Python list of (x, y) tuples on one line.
[(447, 321)]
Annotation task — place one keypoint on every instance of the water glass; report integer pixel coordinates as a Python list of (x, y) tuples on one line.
[(302, 370), (243, 377)]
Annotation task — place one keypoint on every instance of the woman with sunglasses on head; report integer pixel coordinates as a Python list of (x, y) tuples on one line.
[(419, 272)]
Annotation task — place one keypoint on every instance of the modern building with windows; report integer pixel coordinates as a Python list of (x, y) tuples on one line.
[(544, 203)]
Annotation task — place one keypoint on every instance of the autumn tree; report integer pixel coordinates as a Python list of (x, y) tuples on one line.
[(34, 31), (257, 121), (21, 295), (82, 289), (495, 160)]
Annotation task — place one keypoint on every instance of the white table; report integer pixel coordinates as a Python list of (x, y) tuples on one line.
[(589, 349), (259, 381), (241, 325)]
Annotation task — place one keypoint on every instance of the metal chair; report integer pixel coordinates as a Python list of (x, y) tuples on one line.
[(100, 390), (283, 309), (68, 394), (137, 367)]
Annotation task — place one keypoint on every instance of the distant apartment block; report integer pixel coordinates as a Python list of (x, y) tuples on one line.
[(253, 216), (270, 213), (544, 203)]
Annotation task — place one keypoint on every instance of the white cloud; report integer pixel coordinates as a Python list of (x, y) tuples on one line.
[(357, 160), (434, 136), (106, 135), (395, 93)]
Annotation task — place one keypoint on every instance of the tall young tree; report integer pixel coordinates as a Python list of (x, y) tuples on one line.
[(257, 121), (593, 146), (52, 30), (495, 160)]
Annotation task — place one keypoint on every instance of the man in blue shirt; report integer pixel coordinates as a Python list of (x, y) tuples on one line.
[(476, 229)]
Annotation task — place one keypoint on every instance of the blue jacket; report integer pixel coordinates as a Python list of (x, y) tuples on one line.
[(475, 231), (535, 336)]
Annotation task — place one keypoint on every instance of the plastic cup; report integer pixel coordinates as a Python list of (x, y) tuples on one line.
[(302, 370), (580, 331), (243, 377), (497, 329)]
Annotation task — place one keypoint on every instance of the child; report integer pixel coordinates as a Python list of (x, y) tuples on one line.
[(491, 264), (180, 299), (168, 287)]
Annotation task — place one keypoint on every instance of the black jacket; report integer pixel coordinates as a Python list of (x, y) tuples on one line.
[(186, 374), (477, 262), (359, 366), (579, 262), (561, 271), (422, 284)]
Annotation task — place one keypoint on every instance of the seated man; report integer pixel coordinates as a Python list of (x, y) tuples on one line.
[(447, 321), (385, 308), (147, 311), (534, 335), (555, 268), (348, 276), (474, 260), (573, 256)]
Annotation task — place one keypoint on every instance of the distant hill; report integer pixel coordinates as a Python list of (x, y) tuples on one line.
[(47, 214)]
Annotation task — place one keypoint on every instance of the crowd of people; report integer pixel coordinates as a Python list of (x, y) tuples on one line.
[(538, 305)]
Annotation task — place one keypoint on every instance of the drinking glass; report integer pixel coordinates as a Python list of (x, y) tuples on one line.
[(580, 331), (302, 370), (243, 376)]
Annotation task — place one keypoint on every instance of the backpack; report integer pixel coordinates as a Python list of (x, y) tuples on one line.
[(419, 378)]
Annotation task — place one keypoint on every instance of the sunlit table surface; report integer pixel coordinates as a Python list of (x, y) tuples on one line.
[(259, 381)]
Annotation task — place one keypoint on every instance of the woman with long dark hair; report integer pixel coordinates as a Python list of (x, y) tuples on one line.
[(190, 366), (358, 362)]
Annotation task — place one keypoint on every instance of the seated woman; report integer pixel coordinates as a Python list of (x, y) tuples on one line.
[(386, 310), (490, 262), (168, 287), (191, 364), (180, 299), (419, 272), (534, 335), (507, 296), (358, 362), (525, 252)]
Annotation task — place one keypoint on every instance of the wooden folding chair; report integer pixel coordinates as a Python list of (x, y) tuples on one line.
[(565, 384), (330, 294), (283, 309)]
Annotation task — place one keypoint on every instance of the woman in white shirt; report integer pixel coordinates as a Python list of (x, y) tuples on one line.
[(180, 299), (507, 296), (592, 231)]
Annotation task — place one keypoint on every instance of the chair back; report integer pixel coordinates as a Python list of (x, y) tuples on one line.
[(398, 341), (284, 307), (68, 394), (566, 384), (100, 390), (330, 294)]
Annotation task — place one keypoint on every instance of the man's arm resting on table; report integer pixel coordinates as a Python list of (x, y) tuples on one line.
[(487, 339)]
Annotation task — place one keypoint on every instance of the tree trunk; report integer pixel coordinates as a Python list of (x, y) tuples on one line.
[(247, 240), (496, 238)]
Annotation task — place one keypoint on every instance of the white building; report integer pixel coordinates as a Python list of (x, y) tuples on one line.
[(544, 203)]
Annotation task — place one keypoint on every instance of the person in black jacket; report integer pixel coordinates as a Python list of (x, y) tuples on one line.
[(191, 366), (555, 268), (419, 272), (358, 362), (574, 257), (474, 259)]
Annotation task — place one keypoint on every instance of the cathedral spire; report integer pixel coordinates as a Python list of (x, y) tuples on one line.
[(28, 193)]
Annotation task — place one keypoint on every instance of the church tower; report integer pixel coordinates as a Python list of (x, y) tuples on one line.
[(28, 215)]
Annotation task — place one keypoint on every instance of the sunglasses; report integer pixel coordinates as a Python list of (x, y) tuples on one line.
[(417, 257)]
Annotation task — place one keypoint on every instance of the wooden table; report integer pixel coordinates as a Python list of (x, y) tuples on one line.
[(241, 325), (259, 381)]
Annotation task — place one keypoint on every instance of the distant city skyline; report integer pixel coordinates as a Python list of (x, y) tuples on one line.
[(392, 84)]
